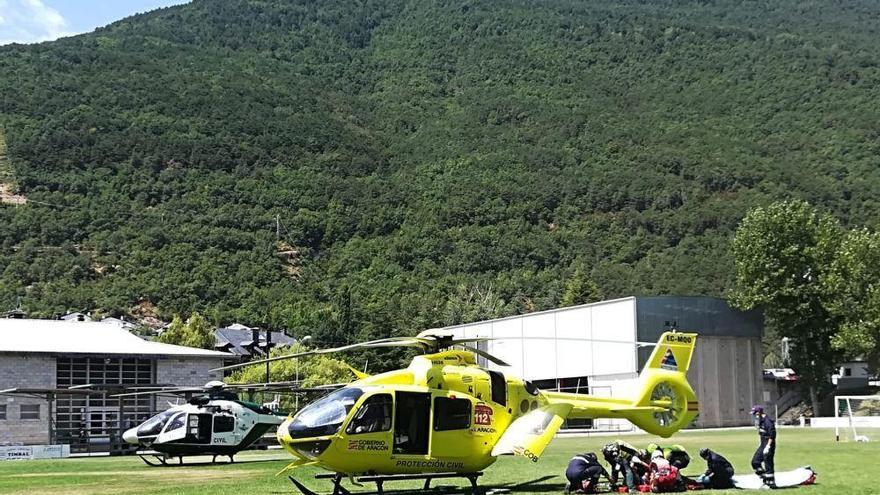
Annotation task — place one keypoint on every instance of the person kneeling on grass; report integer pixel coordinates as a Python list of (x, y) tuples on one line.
[(719, 471), (664, 476), (675, 454), (583, 473), (621, 455)]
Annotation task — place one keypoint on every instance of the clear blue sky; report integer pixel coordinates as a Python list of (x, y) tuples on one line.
[(30, 21)]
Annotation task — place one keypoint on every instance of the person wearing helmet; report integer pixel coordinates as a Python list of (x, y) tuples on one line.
[(664, 476), (762, 461), (675, 454), (620, 455), (583, 473), (719, 471)]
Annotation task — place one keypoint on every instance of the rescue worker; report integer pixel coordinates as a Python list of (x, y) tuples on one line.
[(641, 467), (664, 476), (762, 461), (621, 455), (675, 454), (583, 473), (719, 471)]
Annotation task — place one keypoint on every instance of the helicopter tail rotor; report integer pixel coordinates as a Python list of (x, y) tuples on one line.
[(665, 403)]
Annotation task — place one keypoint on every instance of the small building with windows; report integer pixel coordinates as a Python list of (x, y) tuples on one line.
[(57, 378)]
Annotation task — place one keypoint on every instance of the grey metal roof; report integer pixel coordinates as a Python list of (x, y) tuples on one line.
[(708, 316), (85, 337)]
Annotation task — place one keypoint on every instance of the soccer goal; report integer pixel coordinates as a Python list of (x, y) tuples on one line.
[(857, 418)]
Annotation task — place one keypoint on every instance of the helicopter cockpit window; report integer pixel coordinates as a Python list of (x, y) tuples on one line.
[(154, 425), (176, 422), (451, 414), (325, 416), (373, 416)]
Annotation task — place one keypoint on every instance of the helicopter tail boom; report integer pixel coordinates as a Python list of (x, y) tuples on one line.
[(665, 401)]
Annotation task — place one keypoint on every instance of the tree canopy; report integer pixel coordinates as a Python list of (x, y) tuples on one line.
[(356, 169)]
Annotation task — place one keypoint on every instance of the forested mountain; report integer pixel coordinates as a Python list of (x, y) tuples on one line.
[(427, 162)]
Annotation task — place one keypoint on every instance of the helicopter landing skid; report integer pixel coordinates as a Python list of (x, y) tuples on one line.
[(162, 461), (338, 489), (380, 479)]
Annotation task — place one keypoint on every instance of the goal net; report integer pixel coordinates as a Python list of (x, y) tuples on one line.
[(857, 418)]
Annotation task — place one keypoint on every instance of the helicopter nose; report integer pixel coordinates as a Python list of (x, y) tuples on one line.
[(130, 436), (283, 432)]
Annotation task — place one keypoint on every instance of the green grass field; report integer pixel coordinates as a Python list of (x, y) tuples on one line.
[(842, 468)]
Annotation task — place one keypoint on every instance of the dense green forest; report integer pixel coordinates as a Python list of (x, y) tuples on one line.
[(353, 168)]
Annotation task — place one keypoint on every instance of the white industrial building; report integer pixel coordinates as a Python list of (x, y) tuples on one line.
[(600, 348)]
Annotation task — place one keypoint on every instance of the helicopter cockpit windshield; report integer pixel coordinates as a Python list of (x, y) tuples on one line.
[(154, 425), (324, 416)]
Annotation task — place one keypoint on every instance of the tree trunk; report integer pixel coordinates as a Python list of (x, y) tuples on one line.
[(814, 400)]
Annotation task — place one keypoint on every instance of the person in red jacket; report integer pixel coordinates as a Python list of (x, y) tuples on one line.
[(664, 476)]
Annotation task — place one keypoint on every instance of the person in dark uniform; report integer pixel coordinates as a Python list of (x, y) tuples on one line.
[(719, 471), (583, 473), (762, 461), (621, 455)]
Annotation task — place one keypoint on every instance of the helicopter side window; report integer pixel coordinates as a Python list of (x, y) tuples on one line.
[(224, 424), (373, 416), (499, 388), (451, 414), (177, 422)]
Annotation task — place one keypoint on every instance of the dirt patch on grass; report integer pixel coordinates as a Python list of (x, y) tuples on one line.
[(8, 197)]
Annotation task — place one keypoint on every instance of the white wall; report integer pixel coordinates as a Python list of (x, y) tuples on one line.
[(555, 357)]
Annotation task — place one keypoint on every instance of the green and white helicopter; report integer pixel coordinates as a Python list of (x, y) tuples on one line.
[(216, 423)]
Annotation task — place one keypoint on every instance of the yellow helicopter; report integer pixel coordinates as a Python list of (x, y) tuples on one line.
[(446, 416)]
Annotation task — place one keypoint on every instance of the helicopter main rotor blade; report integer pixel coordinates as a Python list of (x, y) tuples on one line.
[(170, 391), (372, 343), (484, 354), (471, 340)]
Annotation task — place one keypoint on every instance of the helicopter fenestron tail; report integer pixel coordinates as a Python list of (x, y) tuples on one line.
[(665, 401)]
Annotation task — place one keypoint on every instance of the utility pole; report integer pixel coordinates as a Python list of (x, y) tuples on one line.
[(277, 227)]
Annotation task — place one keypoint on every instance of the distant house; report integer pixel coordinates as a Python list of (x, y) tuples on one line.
[(248, 343), (120, 322), (852, 375), (76, 317)]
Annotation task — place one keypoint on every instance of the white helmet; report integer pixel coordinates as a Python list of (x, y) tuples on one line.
[(657, 453)]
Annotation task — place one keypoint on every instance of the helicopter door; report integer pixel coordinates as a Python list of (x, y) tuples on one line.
[(452, 422), (369, 431), (175, 430), (412, 415), (199, 428)]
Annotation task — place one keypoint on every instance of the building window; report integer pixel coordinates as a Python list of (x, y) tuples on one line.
[(847, 372), (30, 411), (3, 412)]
